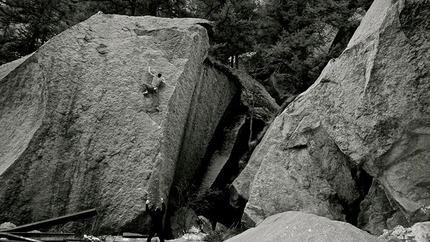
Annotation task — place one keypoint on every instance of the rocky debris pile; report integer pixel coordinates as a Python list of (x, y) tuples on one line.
[(419, 232), (364, 123), (7, 225)]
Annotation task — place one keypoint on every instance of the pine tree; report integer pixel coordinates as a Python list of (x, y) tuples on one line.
[(160, 8), (235, 26), (25, 24), (291, 34)]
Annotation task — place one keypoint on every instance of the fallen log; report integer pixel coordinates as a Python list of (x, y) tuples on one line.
[(47, 236), (17, 237), (53, 221), (133, 235)]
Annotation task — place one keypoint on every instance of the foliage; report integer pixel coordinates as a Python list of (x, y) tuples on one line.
[(26, 24), (214, 236), (187, 196), (280, 37), (220, 235), (235, 26), (214, 203), (291, 34), (162, 8), (205, 202)]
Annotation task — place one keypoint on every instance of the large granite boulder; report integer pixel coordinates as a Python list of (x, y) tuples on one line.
[(369, 109), (298, 226), (76, 131)]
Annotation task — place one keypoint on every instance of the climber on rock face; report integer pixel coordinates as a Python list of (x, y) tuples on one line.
[(156, 81), (157, 221)]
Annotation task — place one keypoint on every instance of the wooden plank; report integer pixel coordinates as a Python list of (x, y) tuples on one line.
[(42, 234), (54, 221), (133, 235), (17, 237), (47, 236)]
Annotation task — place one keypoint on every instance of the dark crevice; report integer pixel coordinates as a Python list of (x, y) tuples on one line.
[(221, 203), (363, 181), (233, 114), (240, 154), (229, 206), (214, 203), (218, 195), (220, 209)]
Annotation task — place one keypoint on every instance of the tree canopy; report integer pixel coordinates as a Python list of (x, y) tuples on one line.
[(235, 26), (293, 33), (283, 37)]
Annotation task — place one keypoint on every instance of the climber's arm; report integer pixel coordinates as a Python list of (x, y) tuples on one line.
[(149, 70)]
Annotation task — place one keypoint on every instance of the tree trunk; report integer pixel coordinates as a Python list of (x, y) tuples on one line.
[(236, 61), (153, 7)]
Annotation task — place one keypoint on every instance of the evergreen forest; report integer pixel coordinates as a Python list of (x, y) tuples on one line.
[(287, 40)]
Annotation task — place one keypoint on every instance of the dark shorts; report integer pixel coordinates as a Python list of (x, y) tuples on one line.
[(148, 88)]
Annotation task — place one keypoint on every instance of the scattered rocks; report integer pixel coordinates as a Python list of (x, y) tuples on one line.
[(419, 232), (7, 225)]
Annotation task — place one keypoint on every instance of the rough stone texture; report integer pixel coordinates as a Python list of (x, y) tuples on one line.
[(396, 148), (369, 106), (297, 167), (379, 212), (76, 131), (419, 232), (297, 226)]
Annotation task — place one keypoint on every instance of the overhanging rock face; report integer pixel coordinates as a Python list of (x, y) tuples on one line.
[(76, 132), (369, 106)]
